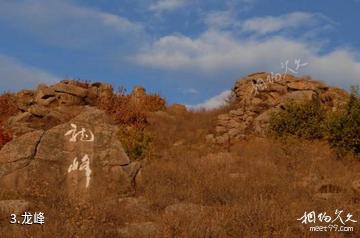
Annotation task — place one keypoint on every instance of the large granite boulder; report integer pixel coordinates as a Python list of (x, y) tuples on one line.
[(83, 158), (19, 152)]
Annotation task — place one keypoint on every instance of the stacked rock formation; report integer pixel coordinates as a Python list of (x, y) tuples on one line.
[(61, 134), (48, 106), (258, 95)]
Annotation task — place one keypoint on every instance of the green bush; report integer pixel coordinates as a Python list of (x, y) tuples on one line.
[(300, 120), (312, 121), (343, 128)]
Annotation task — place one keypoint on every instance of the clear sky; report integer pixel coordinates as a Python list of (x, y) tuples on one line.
[(189, 51)]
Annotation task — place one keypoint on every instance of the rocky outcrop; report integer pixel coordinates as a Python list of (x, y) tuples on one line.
[(48, 106), (259, 95), (83, 158), (67, 151), (19, 153)]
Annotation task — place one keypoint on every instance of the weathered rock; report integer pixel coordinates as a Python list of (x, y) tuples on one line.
[(39, 111), (67, 88), (306, 85), (49, 106), (69, 99), (238, 112), (261, 122), (132, 170), (82, 158), (44, 95), (221, 129), (20, 129), (19, 118), (19, 152), (24, 99), (299, 96), (139, 179), (234, 132), (97, 144), (256, 95)]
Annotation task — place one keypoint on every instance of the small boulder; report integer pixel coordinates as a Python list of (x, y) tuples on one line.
[(300, 96), (71, 89)]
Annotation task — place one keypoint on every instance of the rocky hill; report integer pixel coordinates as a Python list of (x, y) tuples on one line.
[(258, 95), (61, 139), (48, 106), (68, 159)]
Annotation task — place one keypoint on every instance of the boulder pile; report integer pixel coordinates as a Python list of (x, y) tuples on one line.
[(258, 95), (48, 106), (60, 134)]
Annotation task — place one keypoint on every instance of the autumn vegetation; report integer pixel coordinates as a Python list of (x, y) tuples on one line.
[(257, 187), (312, 121), (7, 108)]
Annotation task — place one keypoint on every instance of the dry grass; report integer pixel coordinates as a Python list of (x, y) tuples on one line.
[(126, 111), (257, 188), (8, 107), (5, 136)]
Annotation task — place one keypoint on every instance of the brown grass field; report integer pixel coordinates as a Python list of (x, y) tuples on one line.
[(256, 187)]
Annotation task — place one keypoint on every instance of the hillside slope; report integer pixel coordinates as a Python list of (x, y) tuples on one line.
[(105, 164)]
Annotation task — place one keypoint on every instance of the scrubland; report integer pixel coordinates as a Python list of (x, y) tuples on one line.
[(255, 187)]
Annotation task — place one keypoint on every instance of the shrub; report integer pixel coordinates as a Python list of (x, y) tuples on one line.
[(300, 120), (153, 102), (343, 128), (8, 106), (312, 121), (5, 137), (129, 111)]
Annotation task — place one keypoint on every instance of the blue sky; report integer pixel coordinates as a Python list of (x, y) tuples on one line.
[(189, 51)]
